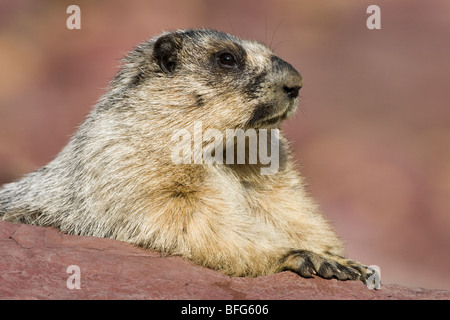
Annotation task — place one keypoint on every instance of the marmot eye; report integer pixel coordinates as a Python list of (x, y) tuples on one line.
[(227, 60)]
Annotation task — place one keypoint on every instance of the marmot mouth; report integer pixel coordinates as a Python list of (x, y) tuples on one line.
[(274, 120), (263, 116)]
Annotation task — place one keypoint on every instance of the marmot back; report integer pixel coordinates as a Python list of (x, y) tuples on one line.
[(183, 155)]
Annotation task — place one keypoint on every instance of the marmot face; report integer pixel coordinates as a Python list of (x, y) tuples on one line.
[(213, 76)]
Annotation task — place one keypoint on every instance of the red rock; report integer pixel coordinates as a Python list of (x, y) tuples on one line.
[(34, 261)]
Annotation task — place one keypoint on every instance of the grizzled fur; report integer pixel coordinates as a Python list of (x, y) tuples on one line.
[(115, 177)]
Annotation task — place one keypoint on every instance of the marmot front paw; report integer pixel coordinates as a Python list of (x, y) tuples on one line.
[(307, 264)]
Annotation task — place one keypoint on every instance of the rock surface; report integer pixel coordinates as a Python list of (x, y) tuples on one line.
[(34, 262)]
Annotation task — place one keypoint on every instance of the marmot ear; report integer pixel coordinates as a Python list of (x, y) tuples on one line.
[(165, 52)]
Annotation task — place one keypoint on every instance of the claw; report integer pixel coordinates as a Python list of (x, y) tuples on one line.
[(307, 264)]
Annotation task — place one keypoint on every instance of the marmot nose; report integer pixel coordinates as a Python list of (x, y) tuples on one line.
[(292, 80), (292, 92)]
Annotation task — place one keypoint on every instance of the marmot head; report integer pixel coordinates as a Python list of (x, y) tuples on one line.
[(211, 76)]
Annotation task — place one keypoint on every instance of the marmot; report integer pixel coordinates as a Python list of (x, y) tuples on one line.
[(116, 177)]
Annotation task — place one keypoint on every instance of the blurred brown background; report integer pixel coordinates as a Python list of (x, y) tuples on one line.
[(372, 136)]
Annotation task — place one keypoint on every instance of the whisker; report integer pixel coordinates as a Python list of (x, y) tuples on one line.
[(265, 28), (278, 44), (231, 25), (274, 33)]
